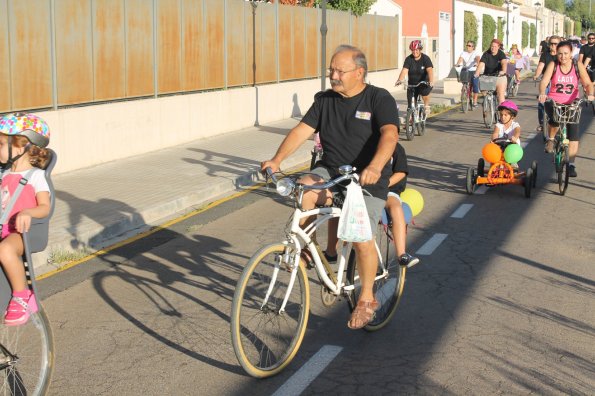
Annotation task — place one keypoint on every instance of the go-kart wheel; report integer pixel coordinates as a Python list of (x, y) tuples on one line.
[(481, 167), (534, 168), (471, 180), (528, 182)]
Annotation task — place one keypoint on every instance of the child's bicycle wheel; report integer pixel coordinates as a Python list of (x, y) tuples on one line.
[(26, 356)]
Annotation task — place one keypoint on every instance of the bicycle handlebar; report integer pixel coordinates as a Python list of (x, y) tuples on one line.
[(353, 176), (418, 84)]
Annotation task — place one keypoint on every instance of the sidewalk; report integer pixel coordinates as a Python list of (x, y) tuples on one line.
[(99, 206)]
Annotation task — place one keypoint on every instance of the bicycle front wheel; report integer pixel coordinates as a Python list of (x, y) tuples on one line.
[(487, 110), (465, 100), (26, 356), (409, 124), (421, 125), (388, 290), (563, 174), (266, 339)]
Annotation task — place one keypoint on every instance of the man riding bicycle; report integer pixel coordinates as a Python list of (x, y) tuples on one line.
[(358, 126), (418, 67)]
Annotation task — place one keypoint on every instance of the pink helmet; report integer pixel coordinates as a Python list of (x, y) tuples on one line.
[(416, 44), (510, 106)]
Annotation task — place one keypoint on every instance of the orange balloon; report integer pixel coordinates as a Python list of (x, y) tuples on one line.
[(492, 152)]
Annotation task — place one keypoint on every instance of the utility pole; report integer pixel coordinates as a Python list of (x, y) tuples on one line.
[(323, 31)]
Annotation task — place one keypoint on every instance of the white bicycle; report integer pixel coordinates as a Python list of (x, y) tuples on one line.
[(271, 303)]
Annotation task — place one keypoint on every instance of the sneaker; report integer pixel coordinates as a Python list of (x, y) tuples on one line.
[(408, 260), (19, 309), (549, 146), (539, 129), (514, 166), (572, 171), (428, 110), (474, 105)]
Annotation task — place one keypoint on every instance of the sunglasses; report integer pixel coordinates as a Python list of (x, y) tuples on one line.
[(554, 43), (469, 45), (591, 38)]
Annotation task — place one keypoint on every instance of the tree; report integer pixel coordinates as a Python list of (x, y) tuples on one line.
[(525, 35), (494, 2), (579, 11), (533, 36), (357, 7), (305, 3), (489, 28), (556, 5), (500, 29), (470, 32)]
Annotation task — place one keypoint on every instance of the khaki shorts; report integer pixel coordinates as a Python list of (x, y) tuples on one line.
[(374, 205)]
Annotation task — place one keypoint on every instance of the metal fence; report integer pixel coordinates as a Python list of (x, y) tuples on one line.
[(68, 52)]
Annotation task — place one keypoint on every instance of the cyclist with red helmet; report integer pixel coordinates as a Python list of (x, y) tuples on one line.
[(25, 195), (507, 127), (418, 67)]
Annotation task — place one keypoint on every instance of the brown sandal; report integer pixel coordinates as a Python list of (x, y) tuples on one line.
[(363, 313)]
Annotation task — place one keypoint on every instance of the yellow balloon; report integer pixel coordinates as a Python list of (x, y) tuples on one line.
[(414, 199)]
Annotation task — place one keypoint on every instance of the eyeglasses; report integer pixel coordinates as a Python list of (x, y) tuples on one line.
[(332, 71)]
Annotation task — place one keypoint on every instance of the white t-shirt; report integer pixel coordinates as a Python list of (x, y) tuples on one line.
[(469, 59), (508, 133)]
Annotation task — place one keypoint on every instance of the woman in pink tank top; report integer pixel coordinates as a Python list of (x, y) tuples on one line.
[(564, 76)]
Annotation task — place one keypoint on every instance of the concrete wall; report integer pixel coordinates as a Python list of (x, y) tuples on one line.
[(92, 135)]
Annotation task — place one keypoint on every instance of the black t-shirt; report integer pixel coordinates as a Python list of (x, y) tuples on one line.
[(418, 69), (350, 130), (588, 51), (546, 58), (492, 62), (399, 164)]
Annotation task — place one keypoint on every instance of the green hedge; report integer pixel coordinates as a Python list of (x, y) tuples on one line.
[(489, 28), (578, 28), (525, 35), (533, 36), (470, 31)]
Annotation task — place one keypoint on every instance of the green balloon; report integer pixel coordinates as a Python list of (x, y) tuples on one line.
[(513, 153)]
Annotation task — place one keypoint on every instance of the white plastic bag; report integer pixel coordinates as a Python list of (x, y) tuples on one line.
[(354, 223)]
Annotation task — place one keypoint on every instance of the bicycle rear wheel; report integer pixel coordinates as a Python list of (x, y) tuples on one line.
[(26, 356), (388, 290), (563, 174), (515, 89), (264, 339)]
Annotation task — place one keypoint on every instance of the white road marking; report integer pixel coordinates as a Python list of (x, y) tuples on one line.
[(481, 190), (431, 245), (309, 371), (461, 211)]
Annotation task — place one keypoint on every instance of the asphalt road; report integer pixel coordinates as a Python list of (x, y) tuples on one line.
[(504, 305)]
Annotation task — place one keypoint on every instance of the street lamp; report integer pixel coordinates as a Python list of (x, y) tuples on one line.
[(537, 5), (508, 2)]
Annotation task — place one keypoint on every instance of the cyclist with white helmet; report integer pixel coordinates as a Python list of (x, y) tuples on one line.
[(418, 67), (25, 195)]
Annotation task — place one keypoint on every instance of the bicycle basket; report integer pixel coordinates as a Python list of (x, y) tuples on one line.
[(567, 114), (464, 75), (487, 83)]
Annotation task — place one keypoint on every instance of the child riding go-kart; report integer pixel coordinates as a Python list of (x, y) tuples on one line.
[(503, 156)]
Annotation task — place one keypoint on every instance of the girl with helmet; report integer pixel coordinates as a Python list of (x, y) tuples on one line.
[(25, 195), (507, 127), (418, 67)]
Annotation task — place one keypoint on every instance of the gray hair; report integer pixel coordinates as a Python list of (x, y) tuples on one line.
[(358, 56)]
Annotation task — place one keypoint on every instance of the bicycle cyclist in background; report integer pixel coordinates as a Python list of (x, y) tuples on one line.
[(564, 78), (544, 59), (494, 62), (418, 67), (586, 55), (469, 59), (358, 126)]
